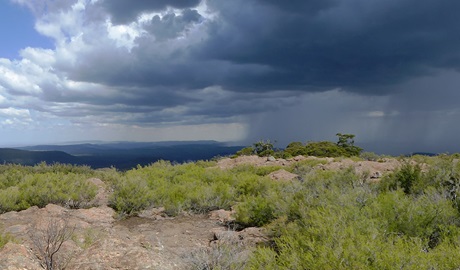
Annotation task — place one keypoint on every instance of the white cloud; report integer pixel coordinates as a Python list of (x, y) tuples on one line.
[(16, 118), (16, 113), (15, 81), (376, 114), (124, 35), (40, 57)]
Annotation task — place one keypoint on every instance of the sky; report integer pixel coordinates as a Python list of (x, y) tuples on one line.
[(240, 71)]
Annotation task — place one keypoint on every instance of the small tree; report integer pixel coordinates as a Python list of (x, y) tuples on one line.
[(347, 141), (47, 240), (263, 148)]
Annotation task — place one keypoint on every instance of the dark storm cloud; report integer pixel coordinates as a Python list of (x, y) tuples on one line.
[(354, 44), (431, 94), (130, 97), (153, 64), (264, 45), (123, 11)]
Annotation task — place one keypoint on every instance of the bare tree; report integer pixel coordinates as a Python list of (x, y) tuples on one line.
[(226, 253), (47, 240)]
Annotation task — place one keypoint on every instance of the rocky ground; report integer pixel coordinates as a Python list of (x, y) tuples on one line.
[(372, 169), (150, 241)]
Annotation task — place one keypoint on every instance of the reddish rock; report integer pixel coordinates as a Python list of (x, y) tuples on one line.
[(283, 175), (17, 257), (253, 236), (223, 216)]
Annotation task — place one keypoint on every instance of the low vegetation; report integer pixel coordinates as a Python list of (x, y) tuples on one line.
[(344, 147), (329, 219), (4, 239), (195, 187), (23, 186), (410, 220)]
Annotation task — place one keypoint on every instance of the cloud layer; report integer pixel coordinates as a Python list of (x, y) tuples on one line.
[(158, 64)]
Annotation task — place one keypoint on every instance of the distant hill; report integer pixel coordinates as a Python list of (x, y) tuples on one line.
[(8, 155), (122, 155)]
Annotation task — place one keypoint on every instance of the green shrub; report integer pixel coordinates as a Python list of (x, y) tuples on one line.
[(247, 151), (110, 176), (9, 199), (387, 232), (72, 190), (248, 184), (205, 164), (255, 211), (335, 221), (211, 197), (195, 188), (295, 149), (343, 148), (26, 188), (192, 187), (415, 217), (130, 195), (324, 149), (10, 176), (405, 178)]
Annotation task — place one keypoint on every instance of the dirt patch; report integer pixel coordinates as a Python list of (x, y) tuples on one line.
[(229, 163), (371, 169), (101, 242), (102, 196), (142, 243)]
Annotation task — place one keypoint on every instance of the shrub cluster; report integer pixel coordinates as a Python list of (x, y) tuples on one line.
[(194, 187), (335, 221), (23, 186), (344, 147)]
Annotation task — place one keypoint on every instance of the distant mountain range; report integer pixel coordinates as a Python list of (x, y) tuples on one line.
[(122, 155)]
